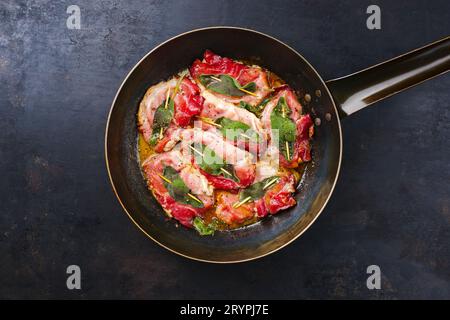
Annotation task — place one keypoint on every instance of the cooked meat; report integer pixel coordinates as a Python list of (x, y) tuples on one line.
[(181, 189), (236, 124), (278, 197), (168, 104), (226, 212), (223, 164), (249, 78), (215, 108), (282, 117), (224, 145)]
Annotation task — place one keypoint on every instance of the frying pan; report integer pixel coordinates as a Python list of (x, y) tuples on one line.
[(330, 101)]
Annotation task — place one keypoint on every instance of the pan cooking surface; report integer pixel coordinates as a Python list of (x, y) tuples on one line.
[(257, 239), (223, 144)]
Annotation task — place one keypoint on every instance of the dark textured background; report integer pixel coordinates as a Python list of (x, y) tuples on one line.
[(391, 206)]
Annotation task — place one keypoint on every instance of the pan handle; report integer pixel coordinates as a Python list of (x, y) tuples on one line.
[(359, 90)]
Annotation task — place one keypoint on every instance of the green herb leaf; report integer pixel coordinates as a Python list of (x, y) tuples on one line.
[(251, 86), (203, 228), (264, 102), (178, 189), (256, 110), (212, 163), (161, 120), (256, 190), (236, 130), (287, 131), (227, 85)]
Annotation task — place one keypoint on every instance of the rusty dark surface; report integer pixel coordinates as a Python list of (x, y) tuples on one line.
[(391, 206)]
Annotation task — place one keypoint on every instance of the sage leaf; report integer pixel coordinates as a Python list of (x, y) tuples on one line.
[(204, 229), (287, 131), (211, 163), (236, 130), (257, 110), (161, 120), (256, 190), (226, 85), (178, 189)]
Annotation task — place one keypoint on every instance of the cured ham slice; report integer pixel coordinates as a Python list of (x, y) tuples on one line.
[(180, 188), (215, 108), (223, 164), (293, 130), (188, 102), (252, 79), (268, 165), (278, 197), (168, 104), (236, 124), (226, 212), (233, 208)]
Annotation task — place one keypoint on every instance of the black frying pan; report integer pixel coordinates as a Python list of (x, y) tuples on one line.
[(330, 101)]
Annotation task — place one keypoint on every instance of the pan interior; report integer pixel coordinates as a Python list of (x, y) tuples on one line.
[(258, 239)]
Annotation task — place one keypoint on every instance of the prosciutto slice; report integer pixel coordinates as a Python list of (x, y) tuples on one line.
[(303, 125), (215, 109), (226, 212), (278, 196), (216, 65), (241, 162), (187, 103), (154, 167)]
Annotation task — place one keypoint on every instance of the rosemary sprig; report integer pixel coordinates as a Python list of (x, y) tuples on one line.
[(196, 151), (270, 183), (240, 203), (226, 172), (164, 178), (245, 136), (287, 151), (210, 121), (215, 78), (167, 99), (248, 92), (177, 87), (194, 197)]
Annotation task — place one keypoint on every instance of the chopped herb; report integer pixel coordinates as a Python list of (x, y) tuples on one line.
[(203, 228), (177, 188), (279, 120), (257, 190), (227, 85)]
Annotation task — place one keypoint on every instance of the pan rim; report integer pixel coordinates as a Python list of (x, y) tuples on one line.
[(287, 242)]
